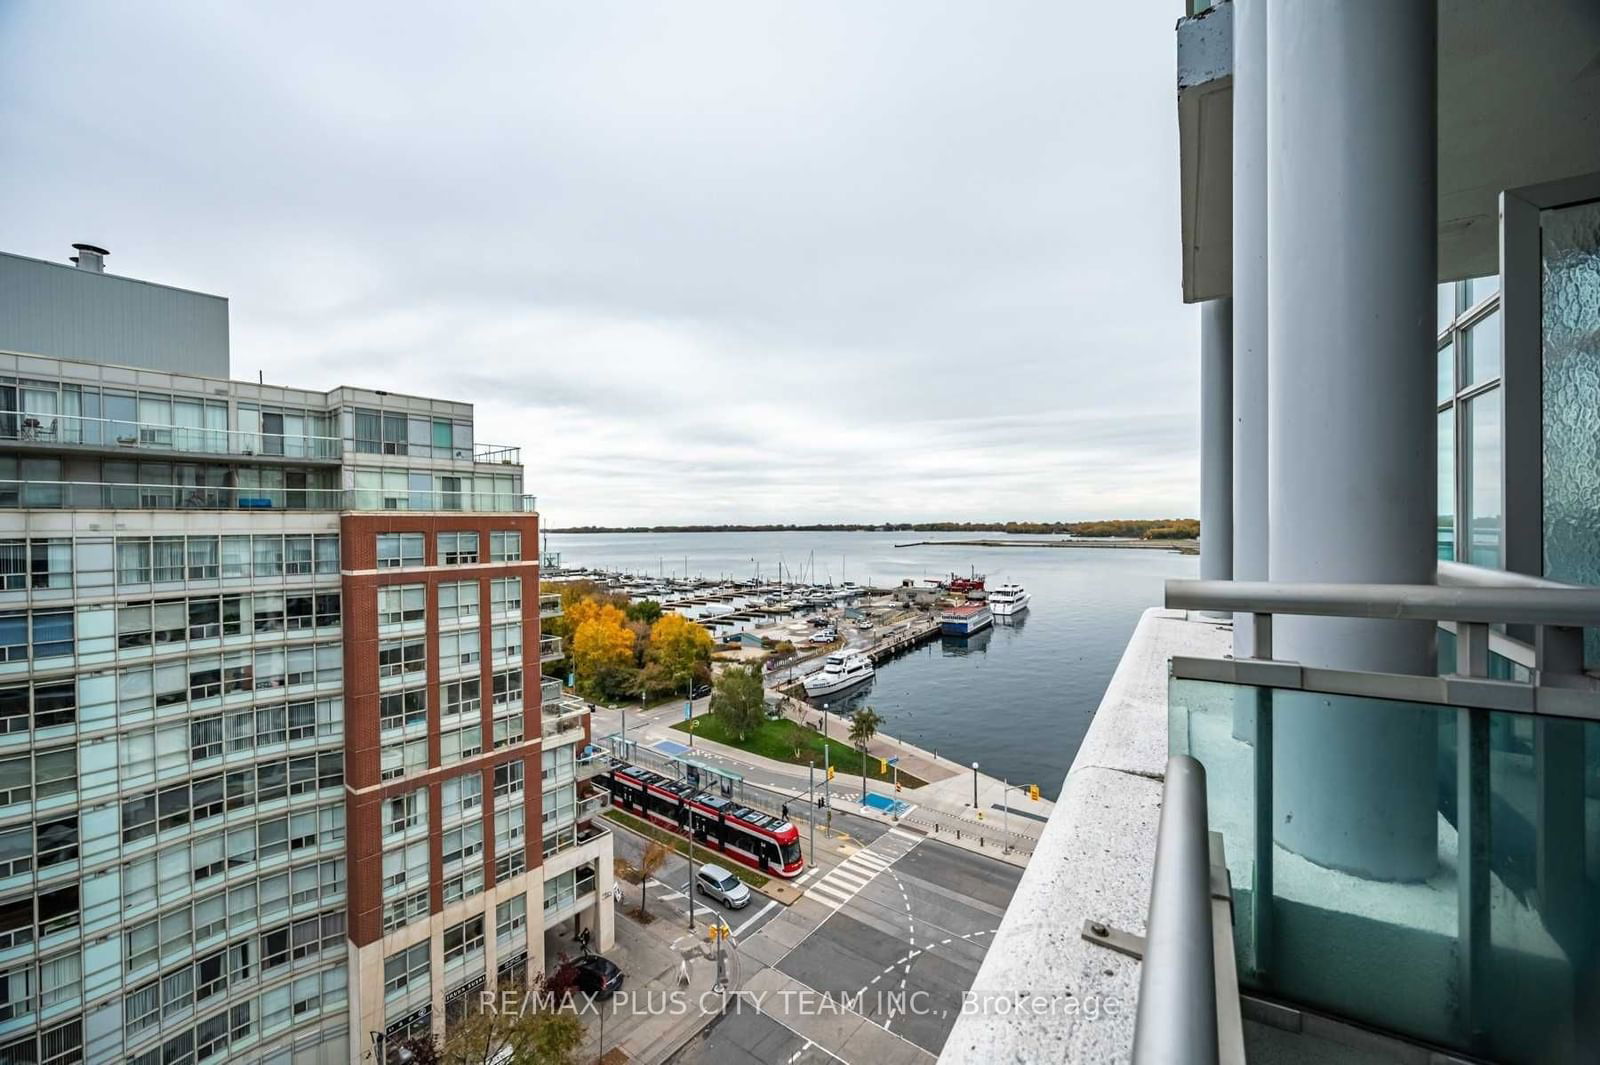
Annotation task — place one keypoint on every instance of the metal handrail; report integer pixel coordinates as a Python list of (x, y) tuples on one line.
[(120, 495), (499, 454), (1525, 605), (78, 430), (1177, 1018)]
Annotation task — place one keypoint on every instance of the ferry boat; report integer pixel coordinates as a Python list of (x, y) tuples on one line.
[(839, 672), (1008, 599), (965, 619)]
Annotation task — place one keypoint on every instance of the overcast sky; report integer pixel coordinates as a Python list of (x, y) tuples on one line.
[(734, 261)]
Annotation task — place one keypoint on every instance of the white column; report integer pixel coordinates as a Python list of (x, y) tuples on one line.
[(1351, 205), (1216, 440), (1249, 314)]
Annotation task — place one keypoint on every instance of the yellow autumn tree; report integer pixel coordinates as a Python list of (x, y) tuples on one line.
[(602, 650), (680, 647)]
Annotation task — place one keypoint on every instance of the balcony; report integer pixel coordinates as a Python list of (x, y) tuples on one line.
[(550, 649), (549, 607), (496, 454), (102, 495), (549, 691), (1486, 790), (592, 766), (563, 720), (53, 432)]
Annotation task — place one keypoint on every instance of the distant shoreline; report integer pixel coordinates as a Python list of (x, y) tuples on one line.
[(1182, 547), (1118, 528)]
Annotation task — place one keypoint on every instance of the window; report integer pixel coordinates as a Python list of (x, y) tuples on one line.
[(462, 647), (402, 603), (49, 631), (401, 709), (505, 595), (510, 849), (458, 548), (133, 561), (399, 549), (505, 547), (463, 697), (510, 918), (464, 884), (508, 779), (463, 843), (327, 608), (397, 657), (458, 601), (460, 796), (506, 641), (463, 941), (403, 813), (204, 558), (326, 549), (458, 744), (35, 564), (1470, 446), (168, 559), (405, 970), (508, 730), (400, 757), (508, 687)]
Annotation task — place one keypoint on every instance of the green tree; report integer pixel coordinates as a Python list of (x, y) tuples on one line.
[(738, 701), (645, 610), (863, 726), (508, 1034)]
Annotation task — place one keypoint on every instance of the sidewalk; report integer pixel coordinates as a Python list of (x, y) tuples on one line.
[(942, 808)]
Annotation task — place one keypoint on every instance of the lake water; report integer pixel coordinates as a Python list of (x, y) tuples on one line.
[(1016, 699)]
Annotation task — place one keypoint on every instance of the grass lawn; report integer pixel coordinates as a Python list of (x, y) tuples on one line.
[(784, 740), (681, 845)]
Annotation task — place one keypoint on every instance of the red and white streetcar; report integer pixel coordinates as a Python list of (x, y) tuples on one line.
[(761, 841)]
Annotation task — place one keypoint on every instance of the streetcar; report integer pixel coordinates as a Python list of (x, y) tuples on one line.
[(750, 837)]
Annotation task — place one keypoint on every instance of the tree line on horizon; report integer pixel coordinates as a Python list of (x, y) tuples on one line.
[(1120, 528)]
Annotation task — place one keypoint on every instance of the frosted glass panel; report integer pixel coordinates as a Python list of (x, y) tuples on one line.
[(1571, 358)]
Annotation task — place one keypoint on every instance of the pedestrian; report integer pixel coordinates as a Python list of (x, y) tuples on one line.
[(786, 811)]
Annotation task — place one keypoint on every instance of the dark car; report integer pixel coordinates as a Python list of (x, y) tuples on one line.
[(598, 977), (700, 691)]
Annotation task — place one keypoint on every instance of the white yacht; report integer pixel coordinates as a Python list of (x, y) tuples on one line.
[(1008, 599), (839, 672)]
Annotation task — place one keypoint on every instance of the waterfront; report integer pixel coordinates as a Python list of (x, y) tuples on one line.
[(1017, 698)]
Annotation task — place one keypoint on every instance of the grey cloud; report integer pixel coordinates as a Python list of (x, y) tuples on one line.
[(709, 261)]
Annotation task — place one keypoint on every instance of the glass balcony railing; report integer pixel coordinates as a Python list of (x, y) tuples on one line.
[(497, 454), (73, 430), (549, 692), (549, 648), (103, 495), (549, 606), (1417, 854)]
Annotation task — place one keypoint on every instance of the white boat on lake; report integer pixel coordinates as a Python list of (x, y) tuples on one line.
[(1008, 599), (838, 672)]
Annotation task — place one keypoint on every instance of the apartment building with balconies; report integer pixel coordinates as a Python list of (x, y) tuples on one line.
[(268, 731)]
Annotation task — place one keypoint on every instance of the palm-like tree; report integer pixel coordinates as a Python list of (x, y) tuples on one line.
[(863, 726)]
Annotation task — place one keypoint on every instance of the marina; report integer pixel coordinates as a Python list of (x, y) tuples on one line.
[(1045, 667)]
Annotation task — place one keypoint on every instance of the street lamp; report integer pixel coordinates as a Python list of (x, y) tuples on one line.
[(974, 786)]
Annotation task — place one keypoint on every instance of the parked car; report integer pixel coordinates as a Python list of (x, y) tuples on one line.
[(825, 636), (700, 691), (718, 883), (598, 977)]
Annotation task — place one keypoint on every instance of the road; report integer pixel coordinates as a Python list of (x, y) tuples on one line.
[(669, 892), (903, 924)]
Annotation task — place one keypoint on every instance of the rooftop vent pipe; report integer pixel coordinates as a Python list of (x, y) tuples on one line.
[(90, 257)]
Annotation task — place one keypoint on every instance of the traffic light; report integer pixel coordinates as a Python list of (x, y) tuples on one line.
[(830, 772), (1033, 792)]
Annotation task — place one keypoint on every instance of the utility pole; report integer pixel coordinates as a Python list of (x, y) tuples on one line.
[(691, 871), (811, 816)]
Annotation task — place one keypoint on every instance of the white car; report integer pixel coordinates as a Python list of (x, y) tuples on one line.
[(717, 882), (825, 636)]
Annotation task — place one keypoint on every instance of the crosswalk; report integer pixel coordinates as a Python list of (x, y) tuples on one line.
[(846, 879)]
